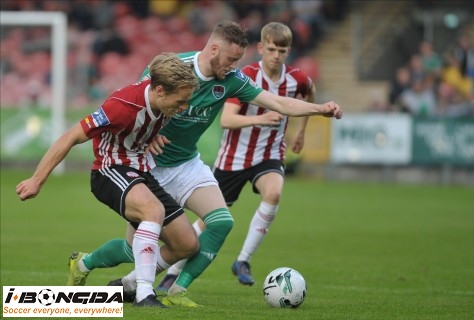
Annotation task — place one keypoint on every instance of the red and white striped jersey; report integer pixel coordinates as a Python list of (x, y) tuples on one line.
[(245, 147), (122, 128)]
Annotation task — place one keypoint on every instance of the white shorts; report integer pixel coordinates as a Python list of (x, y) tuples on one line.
[(181, 181)]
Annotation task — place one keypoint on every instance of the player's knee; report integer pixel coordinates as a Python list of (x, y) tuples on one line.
[(192, 247), (222, 224), (188, 250), (273, 196)]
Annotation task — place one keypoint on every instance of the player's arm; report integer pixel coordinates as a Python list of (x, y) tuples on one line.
[(295, 107), (29, 188), (297, 142), (231, 119)]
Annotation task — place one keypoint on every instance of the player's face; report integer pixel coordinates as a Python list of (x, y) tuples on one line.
[(225, 59), (175, 102), (273, 56)]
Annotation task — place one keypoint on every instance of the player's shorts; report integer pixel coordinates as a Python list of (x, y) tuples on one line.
[(111, 185), (182, 180), (231, 183)]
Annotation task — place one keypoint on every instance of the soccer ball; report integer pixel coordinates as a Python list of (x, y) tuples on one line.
[(284, 288), (46, 297)]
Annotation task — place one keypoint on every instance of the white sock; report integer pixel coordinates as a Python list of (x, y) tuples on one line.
[(145, 251), (161, 264), (176, 268), (174, 289), (259, 225), (82, 266), (130, 282)]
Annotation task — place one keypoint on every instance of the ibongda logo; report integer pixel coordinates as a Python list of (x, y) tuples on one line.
[(62, 301), (47, 297)]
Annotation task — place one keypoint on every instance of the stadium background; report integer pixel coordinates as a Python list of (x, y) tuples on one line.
[(351, 49)]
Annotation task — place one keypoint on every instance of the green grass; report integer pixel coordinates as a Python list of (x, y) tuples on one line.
[(367, 251)]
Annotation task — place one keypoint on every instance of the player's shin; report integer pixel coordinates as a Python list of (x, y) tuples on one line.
[(145, 250), (218, 225), (258, 228)]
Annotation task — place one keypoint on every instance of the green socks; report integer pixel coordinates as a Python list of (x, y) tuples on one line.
[(218, 225), (110, 254)]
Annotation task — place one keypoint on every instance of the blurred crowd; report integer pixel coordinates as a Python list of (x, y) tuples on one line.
[(433, 84), (111, 42)]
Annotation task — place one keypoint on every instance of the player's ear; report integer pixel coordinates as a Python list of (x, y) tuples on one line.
[(215, 49), (160, 91)]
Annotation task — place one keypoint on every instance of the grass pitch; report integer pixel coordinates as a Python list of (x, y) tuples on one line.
[(367, 251)]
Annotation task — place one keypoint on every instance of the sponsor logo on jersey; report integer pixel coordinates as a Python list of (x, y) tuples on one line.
[(240, 75), (100, 118), (218, 91)]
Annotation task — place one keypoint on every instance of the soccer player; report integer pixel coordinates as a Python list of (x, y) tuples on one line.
[(253, 145), (179, 168), (121, 129)]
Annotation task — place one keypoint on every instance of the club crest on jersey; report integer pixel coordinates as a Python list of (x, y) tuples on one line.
[(218, 91), (100, 118), (132, 174)]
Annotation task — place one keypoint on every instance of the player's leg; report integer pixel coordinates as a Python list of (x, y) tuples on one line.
[(218, 224), (268, 181), (181, 242), (129, 193), (193, 184), (200, 193), (173, 271), (142, 205)]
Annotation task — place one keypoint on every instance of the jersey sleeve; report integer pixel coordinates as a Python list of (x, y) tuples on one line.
[(111, 117), (249, 89)]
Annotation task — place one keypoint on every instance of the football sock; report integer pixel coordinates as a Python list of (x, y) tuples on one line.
[(258, 228), (176, 268), (218, 225), (130, 280), (110, 254), (145, 250), (161, 264)]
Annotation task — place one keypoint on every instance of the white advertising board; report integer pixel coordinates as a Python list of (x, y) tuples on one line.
[(372, 139)]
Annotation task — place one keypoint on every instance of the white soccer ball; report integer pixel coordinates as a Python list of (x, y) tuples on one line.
[(284, 288)]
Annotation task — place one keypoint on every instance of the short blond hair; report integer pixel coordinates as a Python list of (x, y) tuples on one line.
[(172, 73), (278, 33)]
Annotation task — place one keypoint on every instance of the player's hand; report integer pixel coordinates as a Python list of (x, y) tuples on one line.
[(28, 189), (298, 143), (331, 110), (270, 118), (156, 145)]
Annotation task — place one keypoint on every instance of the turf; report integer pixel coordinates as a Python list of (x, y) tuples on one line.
[(367, 251)]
